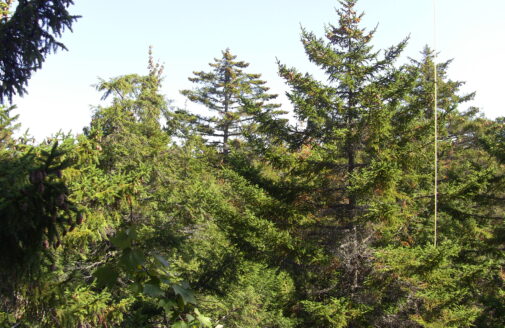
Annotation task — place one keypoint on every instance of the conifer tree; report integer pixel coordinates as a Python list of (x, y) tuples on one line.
[(235, 98), (347, 119), (469, 208), (36, 211), (131, 124), (27, 37), (345, 139)]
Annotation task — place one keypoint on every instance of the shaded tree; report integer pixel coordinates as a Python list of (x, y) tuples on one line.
[(27, 37)]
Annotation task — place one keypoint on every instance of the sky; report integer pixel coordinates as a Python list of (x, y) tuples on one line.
[(113, 36)]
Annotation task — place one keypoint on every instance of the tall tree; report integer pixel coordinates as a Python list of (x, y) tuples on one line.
[(448, 285), (347, 168), (235, 98), (347, 119)]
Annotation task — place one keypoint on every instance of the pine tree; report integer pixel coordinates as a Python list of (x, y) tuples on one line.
[(235, 98)]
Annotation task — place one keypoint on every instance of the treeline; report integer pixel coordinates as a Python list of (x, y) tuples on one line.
[(157, 216)]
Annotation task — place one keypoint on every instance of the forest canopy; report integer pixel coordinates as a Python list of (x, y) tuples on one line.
[(158, 216)]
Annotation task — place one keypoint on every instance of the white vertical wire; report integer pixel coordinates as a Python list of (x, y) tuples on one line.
[(435, 114)]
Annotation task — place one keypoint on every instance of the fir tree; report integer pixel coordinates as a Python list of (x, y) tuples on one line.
[(235, 98)]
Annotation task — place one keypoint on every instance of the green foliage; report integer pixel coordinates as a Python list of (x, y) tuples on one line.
[(440, 286), (239, 101), (34, 205), (334, 313), (327, 223), (258, 298), (152, 281), (27, 37)]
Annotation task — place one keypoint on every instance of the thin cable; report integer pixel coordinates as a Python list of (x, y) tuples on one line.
[(435, 114)]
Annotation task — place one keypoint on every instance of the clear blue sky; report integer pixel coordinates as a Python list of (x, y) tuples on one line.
[(113, 36)]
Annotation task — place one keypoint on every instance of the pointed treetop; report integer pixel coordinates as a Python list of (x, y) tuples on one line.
[(236, 99), (155, 68)]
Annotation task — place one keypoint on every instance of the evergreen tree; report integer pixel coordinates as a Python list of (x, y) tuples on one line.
[(27, 37), (131, 125), (36, 212), (346, 126), (360, 164), (235, 98), (348, 120), (325, 224)]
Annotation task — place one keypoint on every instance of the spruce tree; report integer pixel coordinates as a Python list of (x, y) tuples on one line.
[(347, 119), (236, 100), (27, 37), (347, 162)]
